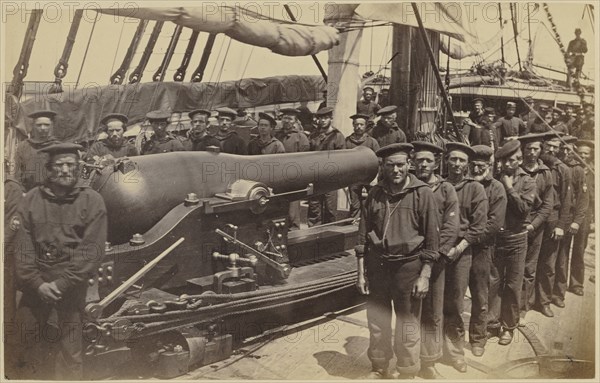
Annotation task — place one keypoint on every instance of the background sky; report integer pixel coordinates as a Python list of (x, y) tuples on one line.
[(231, 60)]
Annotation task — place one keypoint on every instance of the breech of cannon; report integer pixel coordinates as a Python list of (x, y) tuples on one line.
[(140, 191)]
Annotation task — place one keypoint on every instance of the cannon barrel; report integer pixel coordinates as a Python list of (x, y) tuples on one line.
[(136, 200)]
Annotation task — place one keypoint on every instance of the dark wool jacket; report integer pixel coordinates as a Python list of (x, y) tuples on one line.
[(446, 201), (496, 210), (400, 226), (544, 199), (473, 205)]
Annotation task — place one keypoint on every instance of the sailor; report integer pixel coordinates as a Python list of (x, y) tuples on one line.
[(539, 125), (227, 136), (480, 169), (398, 242), (509, 127), (529, 115), (29, 161), (387, 131), (531, 146), (115, 146), (426, 158), (182, 133), (161, 141), (508, 263), (367, 104), (557, 121), (62, 237), (484, 133), (558, 224), (570, 116), (323, 103), (13, 194), (473, 204), (321, 209), (265, 143), (585, 149), (577, 128), (199, 136), (580, 199), (293, 141), (359, 138), (384, 97), (575, 53), (477, 113)]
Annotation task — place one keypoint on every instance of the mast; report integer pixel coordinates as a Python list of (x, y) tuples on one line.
[(529, 53)]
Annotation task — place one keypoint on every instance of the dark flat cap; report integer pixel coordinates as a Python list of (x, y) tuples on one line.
[(368, 88), (508, 149), (359, 115), (114, 116), (268, 117), (63, 147), (290, 111), (532, 137), (199, 111), (478, 99), (511, 104), (158, 115), (451, 146), (590, 144), (388, 150), (42, 113), (489, 110), (544, 106), (529, 99), (550, 135), (387, 110), (424, 146), (557, 110), (324, 111), (225, 111), (481, 153), (244, 122)]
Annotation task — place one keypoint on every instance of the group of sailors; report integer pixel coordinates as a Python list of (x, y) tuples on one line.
[(510, 222)]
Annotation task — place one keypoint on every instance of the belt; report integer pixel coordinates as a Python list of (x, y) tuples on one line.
[(393, 257), (511, 234)]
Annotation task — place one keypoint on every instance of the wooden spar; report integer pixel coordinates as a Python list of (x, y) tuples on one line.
[(402, 88), (119, 75), (199, 72), (138, 72), (530, 53), (60, 71), (185, 62), (314, 57), (20, 70), (502, 35), (159, 75), (436, 71), (516, 33)]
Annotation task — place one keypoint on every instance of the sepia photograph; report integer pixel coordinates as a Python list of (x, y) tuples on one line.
[(299, 191)]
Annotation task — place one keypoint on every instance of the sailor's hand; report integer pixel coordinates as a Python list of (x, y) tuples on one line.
[(421, 287), (362, 284), (558, 234), (529, 228), (49, 293), (574, 228), (451, 257), (507, 181)]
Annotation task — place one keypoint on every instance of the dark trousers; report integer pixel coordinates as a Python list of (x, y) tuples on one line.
[(392, 282), (321, 209), (577, 266), (294, 215), (355, 196), (534, 243), (506, 280), (546, 270), (479, 279), (457, 280), (562, 268), (432, 315), (49, 338)]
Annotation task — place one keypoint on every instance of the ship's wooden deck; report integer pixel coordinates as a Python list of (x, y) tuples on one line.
[(334, 347)]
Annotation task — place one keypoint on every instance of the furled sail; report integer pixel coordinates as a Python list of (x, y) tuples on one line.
[(460, 49), (285, 38)]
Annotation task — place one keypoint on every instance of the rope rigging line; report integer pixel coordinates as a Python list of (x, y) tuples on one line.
[(112, 67), (86, 51), (60, 71)]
